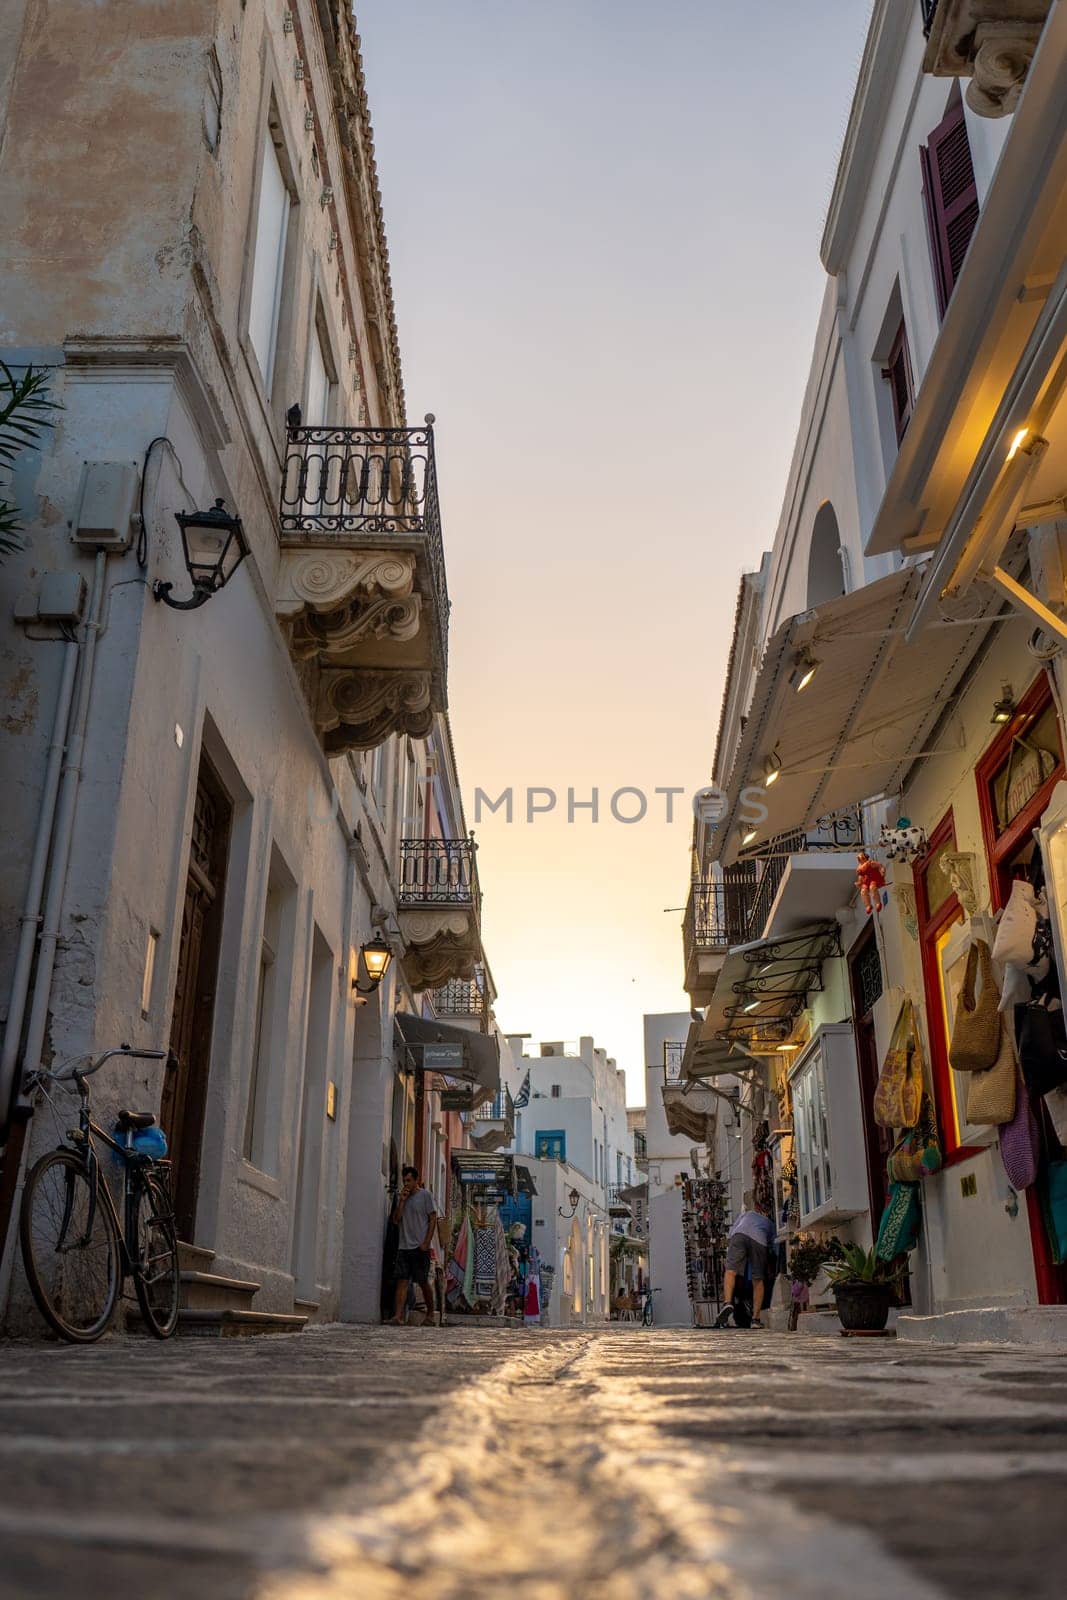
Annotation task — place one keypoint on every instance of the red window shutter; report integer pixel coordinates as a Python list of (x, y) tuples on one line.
[(897, 373), (951, 196)]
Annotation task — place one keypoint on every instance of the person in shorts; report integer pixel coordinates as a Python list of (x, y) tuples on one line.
[(416, 1218), (747, 1246)]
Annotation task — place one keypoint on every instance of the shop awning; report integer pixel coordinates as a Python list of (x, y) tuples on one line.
[(709, 1057), (477, 1169), (473, 1057), (761, 988), (860, 722)]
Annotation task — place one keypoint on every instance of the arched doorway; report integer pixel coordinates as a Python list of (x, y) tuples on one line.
[(826, 576)]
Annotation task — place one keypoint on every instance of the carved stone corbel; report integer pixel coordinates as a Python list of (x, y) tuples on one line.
[(336, 632), (1001, 61), (960, 870), (904, 894), (323, 580), (358, 709)]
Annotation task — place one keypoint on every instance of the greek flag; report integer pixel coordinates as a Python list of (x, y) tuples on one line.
[(523, 1096)]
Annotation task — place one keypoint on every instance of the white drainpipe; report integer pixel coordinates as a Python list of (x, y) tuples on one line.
[(31, 911), (64, 825)]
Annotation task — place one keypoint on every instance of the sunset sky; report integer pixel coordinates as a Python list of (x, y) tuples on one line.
[(592, 208)]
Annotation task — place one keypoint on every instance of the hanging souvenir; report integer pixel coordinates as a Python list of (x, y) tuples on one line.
[(870, 881), (1020, 1141), (991, 1094), (976, 1027), (898, 1097), (917, 1153), (904, 842)]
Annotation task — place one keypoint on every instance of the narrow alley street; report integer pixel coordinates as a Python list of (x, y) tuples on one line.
[(452, 1465)]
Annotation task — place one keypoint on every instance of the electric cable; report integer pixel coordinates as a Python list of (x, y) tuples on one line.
[(142, 532)]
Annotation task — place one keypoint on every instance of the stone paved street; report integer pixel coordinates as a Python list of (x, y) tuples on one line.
[(447, 1464)]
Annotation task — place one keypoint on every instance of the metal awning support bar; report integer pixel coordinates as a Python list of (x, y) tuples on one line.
[(1026, 601)]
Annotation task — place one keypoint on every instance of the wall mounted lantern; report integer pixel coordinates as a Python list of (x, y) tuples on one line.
[(214, 546), (374, 959), (1004, 708), (574, 1197)]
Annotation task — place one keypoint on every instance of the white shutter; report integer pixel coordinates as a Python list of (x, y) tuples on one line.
[(269, 260)]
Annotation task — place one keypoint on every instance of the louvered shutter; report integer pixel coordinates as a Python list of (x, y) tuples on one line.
[(951, 196), (897, 373)]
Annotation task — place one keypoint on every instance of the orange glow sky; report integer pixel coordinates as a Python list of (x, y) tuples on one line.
[(603, 220)]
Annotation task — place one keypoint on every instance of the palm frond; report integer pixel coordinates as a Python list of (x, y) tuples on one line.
[(26, 409)]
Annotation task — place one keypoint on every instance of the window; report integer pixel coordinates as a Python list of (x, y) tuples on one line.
[(557, 1091), (1016, 776), (318, 405), (939, 913), (550, 1146), (950, 195), (826, 573), (897, 374), (268, 262)]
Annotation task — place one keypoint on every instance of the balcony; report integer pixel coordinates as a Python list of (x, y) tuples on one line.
[(492, 1125), (362, 592), (716, 917), (439, 907), (992, 42), (464, 1000), (805, 876)]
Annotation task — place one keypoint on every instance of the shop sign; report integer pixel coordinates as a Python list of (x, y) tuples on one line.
[(442, 1057), (479, 1175), (456, 1099)]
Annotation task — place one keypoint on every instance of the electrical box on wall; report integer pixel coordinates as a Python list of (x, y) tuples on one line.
[(104, 516)]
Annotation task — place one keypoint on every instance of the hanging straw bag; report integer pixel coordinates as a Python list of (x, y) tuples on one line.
[(976, 1029), (898, 1097), (991, 1094)]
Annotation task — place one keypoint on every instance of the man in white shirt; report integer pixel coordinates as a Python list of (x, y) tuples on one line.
[(416, 1217)]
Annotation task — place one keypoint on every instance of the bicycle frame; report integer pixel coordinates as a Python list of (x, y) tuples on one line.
[(82, 1142)]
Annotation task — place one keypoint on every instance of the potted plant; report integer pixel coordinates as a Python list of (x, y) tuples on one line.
[(864, 1288)]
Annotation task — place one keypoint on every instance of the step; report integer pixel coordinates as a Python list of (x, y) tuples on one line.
[(306, 1308), (229, 1323), (211, 1291), (194, 1258)]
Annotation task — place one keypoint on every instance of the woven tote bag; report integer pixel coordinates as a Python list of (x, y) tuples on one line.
[(991, 1094), (898, 1097), (976, 1028)]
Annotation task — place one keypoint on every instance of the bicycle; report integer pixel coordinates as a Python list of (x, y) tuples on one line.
[(76, 1253), (647, 1316)]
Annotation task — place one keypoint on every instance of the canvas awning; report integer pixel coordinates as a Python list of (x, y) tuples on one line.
[(478, 1060), (708, 1057), (853, 732), (476, 1168), (762, 986)]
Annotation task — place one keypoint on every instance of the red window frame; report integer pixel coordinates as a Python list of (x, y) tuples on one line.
[(931, 927), (1051, 1279), (1000, 847)]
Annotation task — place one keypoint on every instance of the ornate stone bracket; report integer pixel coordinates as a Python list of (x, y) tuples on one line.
[(325, 580), (358, 709), (441, 943), (960, 871), (992, 42), (904, 894)]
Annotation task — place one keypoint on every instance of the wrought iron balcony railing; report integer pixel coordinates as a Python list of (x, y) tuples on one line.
[(439, 872), (716, 913), (367, 482), (462, 997), (616, 1197), (929, 12), (842, 831), (501, 1108)]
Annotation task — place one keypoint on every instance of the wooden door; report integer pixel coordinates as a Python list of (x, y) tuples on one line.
[(866, 979), (185, 1085)]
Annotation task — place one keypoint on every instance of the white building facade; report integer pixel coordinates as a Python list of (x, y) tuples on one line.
[(898, 651)]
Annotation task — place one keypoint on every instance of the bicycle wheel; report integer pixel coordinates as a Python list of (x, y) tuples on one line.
[(154, 1252), (647, 1318), (70, 1248)]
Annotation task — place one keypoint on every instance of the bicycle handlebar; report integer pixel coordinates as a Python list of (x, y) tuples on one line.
[(123, 1050)]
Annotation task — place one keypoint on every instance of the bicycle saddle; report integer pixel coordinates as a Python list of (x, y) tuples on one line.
[(136, 1119)]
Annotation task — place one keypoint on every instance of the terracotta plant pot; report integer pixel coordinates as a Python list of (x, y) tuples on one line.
[(863, 1306)]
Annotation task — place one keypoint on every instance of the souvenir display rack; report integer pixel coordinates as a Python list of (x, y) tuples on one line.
[(705, 1224)]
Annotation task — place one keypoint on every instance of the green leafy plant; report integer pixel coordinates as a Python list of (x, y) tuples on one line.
[(809, 1254), (25, 411), (859, 1266)]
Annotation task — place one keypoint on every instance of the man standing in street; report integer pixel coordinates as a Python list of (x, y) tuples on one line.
[(747, 1245), (416, 1217)]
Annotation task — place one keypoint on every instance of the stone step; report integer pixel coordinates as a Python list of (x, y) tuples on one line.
[(229, 1323), (211, 1291), (194, 1258), (306, 1308)]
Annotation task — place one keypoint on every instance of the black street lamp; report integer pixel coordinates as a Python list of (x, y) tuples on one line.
[(374, 957), (214, 544), (574, 1198)]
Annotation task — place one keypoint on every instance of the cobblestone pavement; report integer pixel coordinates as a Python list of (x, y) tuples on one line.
[(456, 1465)]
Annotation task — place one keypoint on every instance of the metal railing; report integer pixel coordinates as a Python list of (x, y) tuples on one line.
[(717, 912), (640, 1145), (436, 872), (462, 997), (841, 831), (929, 12), (616, 1196), (501, 1108), (366, 481)]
